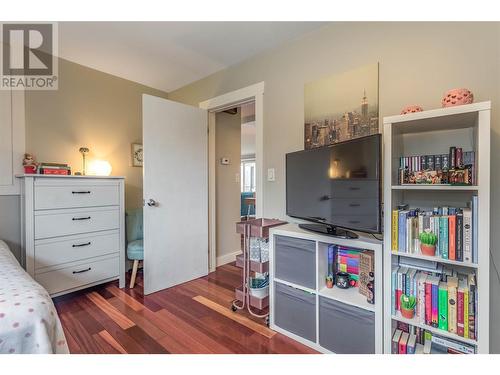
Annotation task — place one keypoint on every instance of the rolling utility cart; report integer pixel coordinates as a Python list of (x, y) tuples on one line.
[(254, 260)]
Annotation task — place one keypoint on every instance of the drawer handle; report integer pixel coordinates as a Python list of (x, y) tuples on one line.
[(82, 271), (82, 244), (81, 218), (353, 188), (354, 205), (81, 192)]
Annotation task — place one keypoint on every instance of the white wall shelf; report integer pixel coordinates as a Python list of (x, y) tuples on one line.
[(433, 132)]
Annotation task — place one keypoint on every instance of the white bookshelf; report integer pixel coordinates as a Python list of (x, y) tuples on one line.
[(429, 133)]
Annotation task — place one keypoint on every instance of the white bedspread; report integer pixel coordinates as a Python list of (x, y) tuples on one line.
[(28, 318)]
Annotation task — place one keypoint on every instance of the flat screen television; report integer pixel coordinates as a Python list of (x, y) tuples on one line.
[(337, 187)]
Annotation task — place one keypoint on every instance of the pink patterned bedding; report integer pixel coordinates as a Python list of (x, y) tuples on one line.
[(28, 318)]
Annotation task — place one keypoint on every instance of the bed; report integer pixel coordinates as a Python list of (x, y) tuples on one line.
[(28, 318)]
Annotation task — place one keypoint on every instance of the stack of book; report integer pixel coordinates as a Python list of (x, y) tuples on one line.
[(348, 261), (446, 300), (453, 162), (54, 168), (455, 228), (408, 339)]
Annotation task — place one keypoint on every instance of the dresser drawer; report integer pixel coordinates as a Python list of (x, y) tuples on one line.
[(75, 221), (73, 194), (60, 250), (78, 275)]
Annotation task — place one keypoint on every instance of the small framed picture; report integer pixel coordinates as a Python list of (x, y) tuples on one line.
[(137, 155)]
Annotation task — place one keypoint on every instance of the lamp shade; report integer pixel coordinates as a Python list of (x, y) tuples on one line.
[(99, 168)]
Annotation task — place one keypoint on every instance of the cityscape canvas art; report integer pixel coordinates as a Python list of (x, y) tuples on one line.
[(341, 107)]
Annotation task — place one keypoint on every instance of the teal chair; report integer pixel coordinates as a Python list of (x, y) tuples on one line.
[(135, 242)]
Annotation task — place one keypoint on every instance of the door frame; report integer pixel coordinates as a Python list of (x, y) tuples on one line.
[(250, 93)]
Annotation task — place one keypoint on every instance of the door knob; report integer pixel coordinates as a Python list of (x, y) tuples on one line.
[(152, 203)]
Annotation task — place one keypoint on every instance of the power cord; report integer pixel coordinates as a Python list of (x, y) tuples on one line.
[(378, 239)]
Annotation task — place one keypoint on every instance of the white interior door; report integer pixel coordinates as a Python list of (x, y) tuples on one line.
[(175, 143)]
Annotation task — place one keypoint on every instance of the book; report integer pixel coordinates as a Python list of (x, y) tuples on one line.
[(465, 289), (474, 228), (452, 344), (410, 346), (395, 229), (395, 341), (50, 171), (467, 235), (459, 236), (419, 349), (460, 308), (443, 237), (452, 222), (394, 282), (428, 301), (452, 304), (427, 347), (452, 157), (402, 230), (472, 305), (420, 307), (403, 341), (443, 306), (434, 301)]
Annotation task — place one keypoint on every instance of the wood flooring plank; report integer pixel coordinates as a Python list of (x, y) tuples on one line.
[(132, 302), (105, 335), (149, 344), (111, 311), (259, 328)]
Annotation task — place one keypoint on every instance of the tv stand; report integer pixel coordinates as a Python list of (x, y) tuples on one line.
[(330, 230)]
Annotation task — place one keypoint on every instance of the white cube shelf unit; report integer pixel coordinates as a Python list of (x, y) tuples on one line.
[(429, 133), (301, 306)]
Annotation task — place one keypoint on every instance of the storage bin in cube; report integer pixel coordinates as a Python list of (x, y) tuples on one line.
[(255, 249)]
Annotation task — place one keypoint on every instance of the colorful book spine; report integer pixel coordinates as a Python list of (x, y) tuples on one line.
[(402, 230), (443, 237), (435, 301), (395, 341), (410, 346), (395, 230), (428, 302), (472, 307), (452, 304), (475, 237), (466, 311), (443, 306), (459, 239), (452, 223), (467, 235), (403, 341), (421, 298), (460, 312)]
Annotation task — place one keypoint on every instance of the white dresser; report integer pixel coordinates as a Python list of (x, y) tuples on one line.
[(73, 231)]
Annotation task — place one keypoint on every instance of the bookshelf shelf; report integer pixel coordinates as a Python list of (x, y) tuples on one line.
[(433, 133), (436, 259), (436, 187), (437, 331), (349, 296)]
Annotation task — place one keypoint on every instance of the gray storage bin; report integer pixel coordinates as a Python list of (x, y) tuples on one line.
[(295, 311), (346, 329), (295, 261)]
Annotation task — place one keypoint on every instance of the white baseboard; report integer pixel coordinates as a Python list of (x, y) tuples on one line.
[(227, 258)]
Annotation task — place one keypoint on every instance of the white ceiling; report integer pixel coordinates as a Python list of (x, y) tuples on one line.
[(169, 55)]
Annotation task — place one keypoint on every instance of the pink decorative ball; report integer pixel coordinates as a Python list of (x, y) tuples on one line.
[(411, 109), (457, 97)]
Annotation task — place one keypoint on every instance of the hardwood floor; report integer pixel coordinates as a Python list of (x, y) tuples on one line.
[(190, 318)]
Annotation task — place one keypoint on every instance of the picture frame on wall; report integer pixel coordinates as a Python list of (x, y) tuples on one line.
[(137, 155)]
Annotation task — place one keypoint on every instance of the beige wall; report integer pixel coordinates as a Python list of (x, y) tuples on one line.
[(418, 62), (92, 109), (227, 145)]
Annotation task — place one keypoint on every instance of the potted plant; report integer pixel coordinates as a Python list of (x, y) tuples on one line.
[(408, 306), (428, 242), (329, 281)]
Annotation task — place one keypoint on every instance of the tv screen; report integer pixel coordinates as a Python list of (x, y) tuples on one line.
[(337, 185)]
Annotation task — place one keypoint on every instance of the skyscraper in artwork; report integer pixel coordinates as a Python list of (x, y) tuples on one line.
[(364, 107)]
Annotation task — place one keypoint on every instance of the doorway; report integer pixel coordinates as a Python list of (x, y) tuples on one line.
[(235, 177), (251, 94)]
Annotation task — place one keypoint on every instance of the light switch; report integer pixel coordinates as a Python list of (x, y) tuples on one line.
[(270, 174)]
